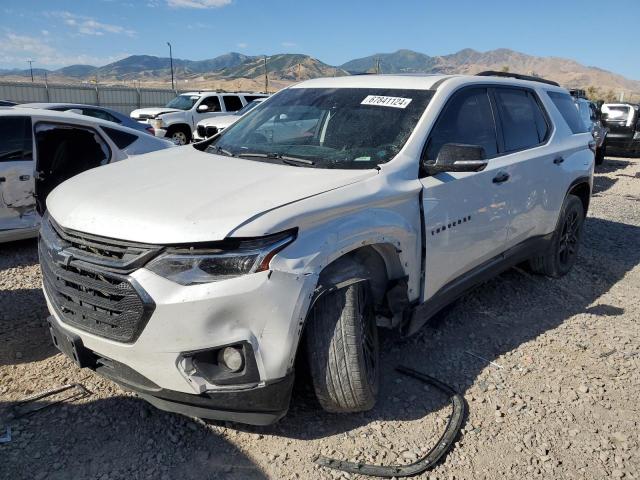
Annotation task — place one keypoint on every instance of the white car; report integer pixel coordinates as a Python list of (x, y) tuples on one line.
[(336, 208), (178, 119), (211, 126), (41, 148)]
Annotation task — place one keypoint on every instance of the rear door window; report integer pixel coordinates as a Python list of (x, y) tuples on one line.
[(564, 103), (467, 118), (523, 123), (16, 139), (232, 103), (251, 98)]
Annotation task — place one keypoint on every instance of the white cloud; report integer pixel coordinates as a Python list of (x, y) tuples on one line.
[(44, 32), (15, 50), (89, 26), (198, 3), (289, 44), (242, 45)]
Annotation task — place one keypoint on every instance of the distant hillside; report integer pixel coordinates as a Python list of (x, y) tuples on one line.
[(234, 70), (292, 67)]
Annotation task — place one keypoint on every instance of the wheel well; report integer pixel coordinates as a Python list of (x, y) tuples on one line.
[(583, 192)]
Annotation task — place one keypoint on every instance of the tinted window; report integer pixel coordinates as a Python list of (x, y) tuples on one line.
[(232, 103), (567, 108), (213, 103), (16, 139), (94, 112), (523, 124), (467, 119), (120, 138), (251, 98)]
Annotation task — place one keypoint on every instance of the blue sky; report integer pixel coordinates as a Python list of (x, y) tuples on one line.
[(55, 33)]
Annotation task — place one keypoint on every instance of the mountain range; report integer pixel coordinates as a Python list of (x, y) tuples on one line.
[(238, 69)]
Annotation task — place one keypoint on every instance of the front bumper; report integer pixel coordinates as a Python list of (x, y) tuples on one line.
[(261, 405)]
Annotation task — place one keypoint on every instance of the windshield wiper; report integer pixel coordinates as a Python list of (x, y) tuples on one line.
[(224, 152), (278, 156)]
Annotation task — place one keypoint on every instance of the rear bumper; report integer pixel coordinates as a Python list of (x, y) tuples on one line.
[(257, 405)]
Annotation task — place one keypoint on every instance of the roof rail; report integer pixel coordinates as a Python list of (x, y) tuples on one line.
[(531, 78)]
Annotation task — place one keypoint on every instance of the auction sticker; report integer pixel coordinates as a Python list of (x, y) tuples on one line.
[(381, 101)]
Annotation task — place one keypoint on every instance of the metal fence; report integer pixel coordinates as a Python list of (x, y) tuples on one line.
[(122, 99)]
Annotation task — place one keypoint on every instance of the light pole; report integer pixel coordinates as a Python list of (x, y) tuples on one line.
[(171, 60), (31, 69)]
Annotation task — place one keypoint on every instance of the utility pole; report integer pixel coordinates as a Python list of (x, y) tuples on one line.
[(31, 69), (171, 60), (266, 76)]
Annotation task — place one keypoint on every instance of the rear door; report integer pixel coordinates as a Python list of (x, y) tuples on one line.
[(17, 202), (524, 129), (465, 213)]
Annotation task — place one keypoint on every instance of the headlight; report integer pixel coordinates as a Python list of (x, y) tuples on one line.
[(190, 266), (636, 136), (156, 123)]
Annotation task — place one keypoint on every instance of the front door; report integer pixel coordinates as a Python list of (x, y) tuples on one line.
[(213, 109), (17, 202), (466, 215)]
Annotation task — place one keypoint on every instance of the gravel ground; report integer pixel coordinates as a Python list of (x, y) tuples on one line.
[(559, 401)]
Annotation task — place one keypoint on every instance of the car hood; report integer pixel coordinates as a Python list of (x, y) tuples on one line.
[(145, 113), (221, 121), (183, 195)]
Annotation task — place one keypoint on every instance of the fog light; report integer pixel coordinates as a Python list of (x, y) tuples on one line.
[(232, 358)]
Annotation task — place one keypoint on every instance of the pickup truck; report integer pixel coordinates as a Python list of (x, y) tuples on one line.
[(178, 119), (336, 208)]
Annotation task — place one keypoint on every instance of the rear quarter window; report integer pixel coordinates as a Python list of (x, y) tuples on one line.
[(564, 103), (120, 138)]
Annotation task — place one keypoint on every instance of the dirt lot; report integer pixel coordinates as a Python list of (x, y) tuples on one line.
[(561, 400)]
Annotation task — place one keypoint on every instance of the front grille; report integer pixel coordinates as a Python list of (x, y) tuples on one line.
[(211, 131), (86, 280), (201, 131)]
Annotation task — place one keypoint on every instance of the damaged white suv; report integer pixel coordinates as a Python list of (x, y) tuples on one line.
[(335, 208)]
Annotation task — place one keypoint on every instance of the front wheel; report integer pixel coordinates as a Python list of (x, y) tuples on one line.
[(343, 350), (563, 251), (179, 136)]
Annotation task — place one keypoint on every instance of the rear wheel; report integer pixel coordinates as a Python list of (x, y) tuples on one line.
[(343, 350), (563, 251)]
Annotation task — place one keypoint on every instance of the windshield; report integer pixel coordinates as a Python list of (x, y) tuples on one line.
[(183, 102), (248, 106), (351, 128)]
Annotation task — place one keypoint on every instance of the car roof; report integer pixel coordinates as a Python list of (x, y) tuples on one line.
[(46, 105), (69, 117), (212, 92), (416, 81)]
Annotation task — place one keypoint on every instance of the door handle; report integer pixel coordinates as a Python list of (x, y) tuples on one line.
[(501, 177), (558, 160), (24, 178)]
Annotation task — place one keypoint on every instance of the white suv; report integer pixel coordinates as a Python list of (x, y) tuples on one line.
[(334, 209), (178, 119)]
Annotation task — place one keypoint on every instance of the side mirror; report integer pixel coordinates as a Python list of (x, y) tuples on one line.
[(458, 157), (203, 108)]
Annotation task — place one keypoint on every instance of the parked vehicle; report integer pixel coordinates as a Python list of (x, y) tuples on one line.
[(210, 126), (333, 209), (96, 112), (178, 119), (623, 121), (590, 115), (39, 149), (7, 103)]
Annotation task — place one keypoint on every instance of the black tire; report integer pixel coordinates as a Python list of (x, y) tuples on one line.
[(600, 153), (180, 135), (343, 350), (563, 251)]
